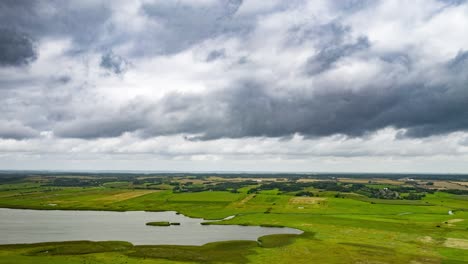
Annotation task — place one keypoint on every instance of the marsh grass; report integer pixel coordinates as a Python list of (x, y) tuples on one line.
[(219, 252), (74, 247)]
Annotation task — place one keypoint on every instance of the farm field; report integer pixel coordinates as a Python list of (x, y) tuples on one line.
[(384, 221)]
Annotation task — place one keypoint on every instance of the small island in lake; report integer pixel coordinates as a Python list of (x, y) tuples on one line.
[(161, 223)]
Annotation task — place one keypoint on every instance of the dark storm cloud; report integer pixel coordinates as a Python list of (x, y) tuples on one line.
[(16, 49), (185, 24), (84, 23), (331, 41), (353, 5), (176, 25), (174, 114), (331, 33), (214, 55), (102, 122), (423, 103), (64, 79), (329, 55), (460, 62), (114, 63), (249, 109), (97, 128), (15, 130), (453, 2)]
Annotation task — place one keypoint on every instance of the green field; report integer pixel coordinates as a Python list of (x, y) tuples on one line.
[(348, 228)]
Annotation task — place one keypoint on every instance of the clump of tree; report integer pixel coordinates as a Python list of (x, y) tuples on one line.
[(455, 191), (188, 188), (385, 193), (415, 196), (415, 193), (210, 186), (78, 182), (291, 186), (148, 181), (305, 194)]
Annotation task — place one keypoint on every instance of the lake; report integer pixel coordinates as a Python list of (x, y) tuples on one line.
[(33, 226)]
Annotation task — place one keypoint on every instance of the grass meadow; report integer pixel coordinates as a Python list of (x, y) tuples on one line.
[(346, 229)]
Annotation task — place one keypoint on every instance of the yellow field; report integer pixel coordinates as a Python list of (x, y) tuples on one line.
[(306, 200), (365, 181), (309, 180), (449, 185), (456, 243)]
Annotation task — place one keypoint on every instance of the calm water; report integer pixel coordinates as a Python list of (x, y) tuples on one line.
[(32, 226)]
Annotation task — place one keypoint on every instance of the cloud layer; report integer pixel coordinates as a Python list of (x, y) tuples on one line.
[(208, 71)]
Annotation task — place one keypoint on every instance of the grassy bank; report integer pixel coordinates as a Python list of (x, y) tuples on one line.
[(123, 252)]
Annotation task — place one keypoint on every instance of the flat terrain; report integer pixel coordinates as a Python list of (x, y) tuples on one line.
[(423, 223)]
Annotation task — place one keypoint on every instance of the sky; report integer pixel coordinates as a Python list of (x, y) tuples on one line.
[(234, 85)]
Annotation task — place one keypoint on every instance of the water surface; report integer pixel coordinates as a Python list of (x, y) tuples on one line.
[(33, 226)]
